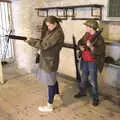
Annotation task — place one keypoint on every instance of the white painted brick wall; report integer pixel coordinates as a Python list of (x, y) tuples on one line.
[(26, 21)]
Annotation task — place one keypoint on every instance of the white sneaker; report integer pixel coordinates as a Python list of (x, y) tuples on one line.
[(58, 101), (48, 108)]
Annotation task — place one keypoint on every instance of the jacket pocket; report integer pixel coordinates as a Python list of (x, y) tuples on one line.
[(50, 61)]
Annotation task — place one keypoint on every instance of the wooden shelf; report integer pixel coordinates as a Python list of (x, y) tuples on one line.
[(7, 1), (63, 11), (85, 18), (78, 6)]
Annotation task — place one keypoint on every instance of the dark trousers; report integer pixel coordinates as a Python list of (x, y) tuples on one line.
[(89, 77), (52, 91)]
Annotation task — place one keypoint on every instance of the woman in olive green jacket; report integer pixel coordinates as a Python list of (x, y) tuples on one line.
[(50, 45)]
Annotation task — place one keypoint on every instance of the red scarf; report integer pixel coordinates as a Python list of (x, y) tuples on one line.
[(87, 55)]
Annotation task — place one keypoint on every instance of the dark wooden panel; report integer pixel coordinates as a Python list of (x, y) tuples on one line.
[(114, 8)]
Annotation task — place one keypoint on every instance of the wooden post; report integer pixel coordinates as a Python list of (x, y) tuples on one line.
[(78, 77), (1, 74)]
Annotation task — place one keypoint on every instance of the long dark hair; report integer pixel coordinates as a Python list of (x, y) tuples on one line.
[(52, 20)]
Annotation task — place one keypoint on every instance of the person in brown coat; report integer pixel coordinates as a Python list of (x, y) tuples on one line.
[(92, 60), (50, 44)]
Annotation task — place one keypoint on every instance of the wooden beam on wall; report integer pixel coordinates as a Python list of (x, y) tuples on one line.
[(8, 1)]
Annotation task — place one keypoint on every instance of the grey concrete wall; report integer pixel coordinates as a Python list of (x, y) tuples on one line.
[(111, 73)]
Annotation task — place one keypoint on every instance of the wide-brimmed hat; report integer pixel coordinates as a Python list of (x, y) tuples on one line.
[(92, 23)]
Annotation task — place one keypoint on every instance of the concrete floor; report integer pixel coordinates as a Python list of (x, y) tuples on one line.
[(21, 95)]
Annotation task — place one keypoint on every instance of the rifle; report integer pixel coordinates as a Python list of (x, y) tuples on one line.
[(75, 48), (94, 39), (16, 37), (23, 39)]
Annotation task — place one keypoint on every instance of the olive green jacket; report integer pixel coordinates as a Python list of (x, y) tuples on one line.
[(99, 49), (50, 47)]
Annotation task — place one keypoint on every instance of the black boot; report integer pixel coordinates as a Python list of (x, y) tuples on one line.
[(95, 102)]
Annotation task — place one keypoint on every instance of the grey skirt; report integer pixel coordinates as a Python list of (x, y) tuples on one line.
[(46, 78)]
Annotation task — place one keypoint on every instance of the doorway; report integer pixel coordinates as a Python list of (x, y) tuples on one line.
[(6, 27)]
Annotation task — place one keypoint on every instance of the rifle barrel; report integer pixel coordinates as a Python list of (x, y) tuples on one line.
[(16, 37)]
